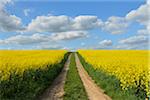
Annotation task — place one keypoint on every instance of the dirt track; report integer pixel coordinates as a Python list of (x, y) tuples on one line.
[(56, 90), (93, 91)]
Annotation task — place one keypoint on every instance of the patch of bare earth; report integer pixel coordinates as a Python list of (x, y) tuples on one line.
[(56, 90), (93, 91)]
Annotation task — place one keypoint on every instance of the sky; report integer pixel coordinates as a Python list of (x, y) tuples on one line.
[(80, 24)]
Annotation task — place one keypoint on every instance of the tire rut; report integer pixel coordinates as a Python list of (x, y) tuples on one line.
[(56, 90), (93, 91)]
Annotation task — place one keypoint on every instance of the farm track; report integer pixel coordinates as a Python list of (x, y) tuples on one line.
[(56, 90), (93, 91)]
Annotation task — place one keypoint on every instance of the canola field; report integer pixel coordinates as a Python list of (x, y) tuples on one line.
[(25, 73), (19, 61), (130, 67)]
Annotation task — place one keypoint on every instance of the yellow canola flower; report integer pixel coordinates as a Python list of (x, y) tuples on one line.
[(131, 67), (18, 61)]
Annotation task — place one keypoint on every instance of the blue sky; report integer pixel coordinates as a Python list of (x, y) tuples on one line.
[(112, 24)]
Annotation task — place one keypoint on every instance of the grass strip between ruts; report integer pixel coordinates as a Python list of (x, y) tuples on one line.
[(74, 89)]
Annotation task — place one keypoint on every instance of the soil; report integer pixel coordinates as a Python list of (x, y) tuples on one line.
[(56, 90), (93, 91)]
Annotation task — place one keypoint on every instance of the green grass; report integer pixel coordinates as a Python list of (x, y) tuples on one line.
[(31, 84), (110, 84), (74, 89)]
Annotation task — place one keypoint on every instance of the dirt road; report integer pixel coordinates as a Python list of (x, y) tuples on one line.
[(56, 90), (93, 91)]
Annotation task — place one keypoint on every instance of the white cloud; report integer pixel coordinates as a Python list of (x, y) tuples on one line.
[(143, 32), (118, 25), (69, 35), (148, 1), (63, 23), (3, 3), (105, 43), (25, 39), (26, 12), (125, 47), (138, 41), (67, 28), (86, 22), (115, 25), (9, 23), (135, 46), (50, 24), (134, 40), (141, 15), (43, 38)]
